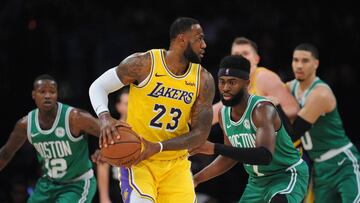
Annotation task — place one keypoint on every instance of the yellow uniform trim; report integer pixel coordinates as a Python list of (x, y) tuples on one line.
[(135, 188), (168, 70)]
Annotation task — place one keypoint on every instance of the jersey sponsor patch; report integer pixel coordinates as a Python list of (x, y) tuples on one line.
[(247, 124), (60, 132), (189, 83)]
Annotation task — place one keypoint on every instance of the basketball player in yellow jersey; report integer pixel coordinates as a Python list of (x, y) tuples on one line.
[(263, 82), (168, 88)]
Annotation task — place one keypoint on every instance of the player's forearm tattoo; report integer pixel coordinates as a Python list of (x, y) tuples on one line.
[(202, 110)]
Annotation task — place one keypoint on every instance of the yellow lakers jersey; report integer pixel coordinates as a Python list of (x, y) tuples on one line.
[(160, 108)]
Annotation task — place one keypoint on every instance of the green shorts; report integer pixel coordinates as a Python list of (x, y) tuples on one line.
[(292, 183), (338, 179), (49, 191)]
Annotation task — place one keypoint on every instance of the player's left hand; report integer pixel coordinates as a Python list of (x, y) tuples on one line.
[(149, 149), (97, 158), (206, 148)]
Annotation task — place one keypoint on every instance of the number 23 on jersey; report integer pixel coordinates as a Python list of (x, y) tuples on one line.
[(160, 111)]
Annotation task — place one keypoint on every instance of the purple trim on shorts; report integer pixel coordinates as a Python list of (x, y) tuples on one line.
[(128, 185), (124, 186)]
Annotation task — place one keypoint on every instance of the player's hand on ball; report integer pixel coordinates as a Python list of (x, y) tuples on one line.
[(196, 182), (96, 157), (206, 148), (108, 131), (149, 149)]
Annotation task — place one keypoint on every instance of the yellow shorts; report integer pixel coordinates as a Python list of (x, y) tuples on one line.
[(158, 181)]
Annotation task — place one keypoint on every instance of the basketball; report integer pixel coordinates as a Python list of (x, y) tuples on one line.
[(124, 150)]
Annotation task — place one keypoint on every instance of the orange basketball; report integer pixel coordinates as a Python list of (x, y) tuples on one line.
[(124, 150)]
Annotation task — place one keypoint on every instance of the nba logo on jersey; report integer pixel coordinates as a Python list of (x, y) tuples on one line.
[(60, 132), (247, 124)]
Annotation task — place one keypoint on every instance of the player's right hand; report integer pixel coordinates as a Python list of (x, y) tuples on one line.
[(195, 180), (149, 149), (108, 131), (195, 184)]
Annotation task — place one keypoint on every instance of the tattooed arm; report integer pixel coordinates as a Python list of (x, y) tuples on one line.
[(17, 138), (220, 165), (201, 117), (133, 69)]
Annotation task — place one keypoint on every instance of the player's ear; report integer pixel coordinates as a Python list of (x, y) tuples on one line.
[(247, 83), (317, 62), (257, 59), (33, 94), (181, 39)]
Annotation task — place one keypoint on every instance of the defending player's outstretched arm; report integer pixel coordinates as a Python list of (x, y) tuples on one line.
[(201, 117), (17, 138), (219, 166), (266, 119)]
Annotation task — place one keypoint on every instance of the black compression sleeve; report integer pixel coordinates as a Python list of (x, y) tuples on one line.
[(300, 126), (284, 119), (253, 156)]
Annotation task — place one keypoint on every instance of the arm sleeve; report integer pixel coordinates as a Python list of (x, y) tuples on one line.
[(284, 119), (300, 126), (108, 82), (253, 156)]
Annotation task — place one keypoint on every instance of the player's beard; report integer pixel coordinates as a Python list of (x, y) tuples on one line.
[(236, 99), (190, 55)]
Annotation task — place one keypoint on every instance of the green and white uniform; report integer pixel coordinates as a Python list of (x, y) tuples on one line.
[(66, 168), (336, 169), (286, 174)]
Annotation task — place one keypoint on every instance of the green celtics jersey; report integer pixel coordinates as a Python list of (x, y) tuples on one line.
[(242, 134), (62, 156), (327, 132)]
